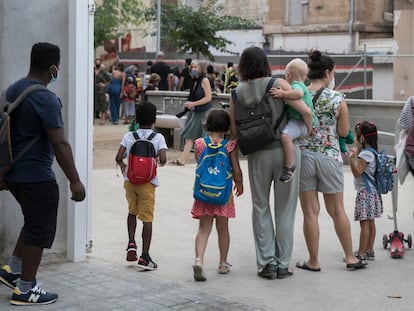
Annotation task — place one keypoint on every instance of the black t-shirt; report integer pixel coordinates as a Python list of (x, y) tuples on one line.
[(188, 80), (162, 69)]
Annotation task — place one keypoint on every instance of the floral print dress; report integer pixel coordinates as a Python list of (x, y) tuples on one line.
[(368, 203), (325, 137)]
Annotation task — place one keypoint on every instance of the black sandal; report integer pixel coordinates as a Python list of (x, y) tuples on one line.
[(287, 174)]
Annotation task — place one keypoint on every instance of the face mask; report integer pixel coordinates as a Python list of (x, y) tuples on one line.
[(332, 83), (54, 79), (194, 73)]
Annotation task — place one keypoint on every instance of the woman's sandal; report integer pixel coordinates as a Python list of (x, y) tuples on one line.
[(198, 271), (177, 162), (224, 268)]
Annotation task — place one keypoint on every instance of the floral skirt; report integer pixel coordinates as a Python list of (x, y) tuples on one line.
[(201, 209), (367, 205)]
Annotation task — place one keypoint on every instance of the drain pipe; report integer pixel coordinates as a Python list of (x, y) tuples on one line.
[(351, 22)]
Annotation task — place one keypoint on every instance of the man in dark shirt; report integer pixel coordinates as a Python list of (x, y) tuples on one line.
[(164, 71), (31, 180)]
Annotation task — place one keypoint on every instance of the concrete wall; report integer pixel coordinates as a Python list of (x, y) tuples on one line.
[(22, 24), (382, 81), (403, 48)]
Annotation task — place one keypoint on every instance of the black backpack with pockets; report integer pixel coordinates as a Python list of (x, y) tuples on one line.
[(254, 124)]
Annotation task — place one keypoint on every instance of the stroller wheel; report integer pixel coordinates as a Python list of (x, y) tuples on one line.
[(384, 241)]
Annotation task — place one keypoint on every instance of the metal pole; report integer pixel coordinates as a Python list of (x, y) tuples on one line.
[(351, 22), (158, 25), (365, 71)]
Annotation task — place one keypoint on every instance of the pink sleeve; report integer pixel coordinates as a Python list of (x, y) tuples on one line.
[(199, 146)]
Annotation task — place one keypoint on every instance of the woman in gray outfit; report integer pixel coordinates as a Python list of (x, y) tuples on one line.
[(273, 244)]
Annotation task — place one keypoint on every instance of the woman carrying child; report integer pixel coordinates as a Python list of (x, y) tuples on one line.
[(217, 125), (368, 202)]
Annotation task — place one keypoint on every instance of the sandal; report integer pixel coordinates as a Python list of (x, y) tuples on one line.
[(177, 162), (287, 174), (198, 271), (224, 268)]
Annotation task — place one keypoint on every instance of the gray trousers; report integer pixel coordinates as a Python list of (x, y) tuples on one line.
[(273, 240)]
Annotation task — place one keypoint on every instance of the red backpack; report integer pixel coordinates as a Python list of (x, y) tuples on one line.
[(142, 160)]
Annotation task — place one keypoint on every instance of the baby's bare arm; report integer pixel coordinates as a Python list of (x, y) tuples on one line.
[(285, 90)]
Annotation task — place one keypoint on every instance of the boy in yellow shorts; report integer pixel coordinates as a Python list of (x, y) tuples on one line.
[(141, 197)]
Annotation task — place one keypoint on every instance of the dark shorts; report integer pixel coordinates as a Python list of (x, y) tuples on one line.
[(39, 203)]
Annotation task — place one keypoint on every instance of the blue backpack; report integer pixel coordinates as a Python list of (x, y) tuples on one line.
[(384, 180), (213, 179)]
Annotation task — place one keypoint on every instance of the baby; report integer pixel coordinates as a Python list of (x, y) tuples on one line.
[(300, 123)]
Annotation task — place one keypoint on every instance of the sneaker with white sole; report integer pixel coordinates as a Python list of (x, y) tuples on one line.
[(147, 263), (131, 252), (8, 278), (35, 296)]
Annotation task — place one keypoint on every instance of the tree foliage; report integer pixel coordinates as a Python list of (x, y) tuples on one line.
[(195, 31), (114, 17)]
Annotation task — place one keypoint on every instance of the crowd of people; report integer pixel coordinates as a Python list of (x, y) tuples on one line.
[(117, 87), (303, 159)]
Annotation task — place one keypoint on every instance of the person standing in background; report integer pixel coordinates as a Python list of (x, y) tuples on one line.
[(199, 101), (164, 71), (101, 82), (186, 80), (118, 77)]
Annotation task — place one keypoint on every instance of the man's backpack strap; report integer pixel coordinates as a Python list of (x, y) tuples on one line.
[(15, 104), (136, 136), (22, 96)]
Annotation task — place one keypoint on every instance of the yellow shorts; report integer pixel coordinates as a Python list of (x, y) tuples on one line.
[(141, 200)]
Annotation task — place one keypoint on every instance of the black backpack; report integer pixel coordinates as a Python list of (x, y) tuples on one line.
[(7, 158), (254, 124)]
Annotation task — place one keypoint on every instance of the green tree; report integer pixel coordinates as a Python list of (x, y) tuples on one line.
[(195, 31), (114, 17)]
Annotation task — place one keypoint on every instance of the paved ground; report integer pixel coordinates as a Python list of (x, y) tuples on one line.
[(107, 282)]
